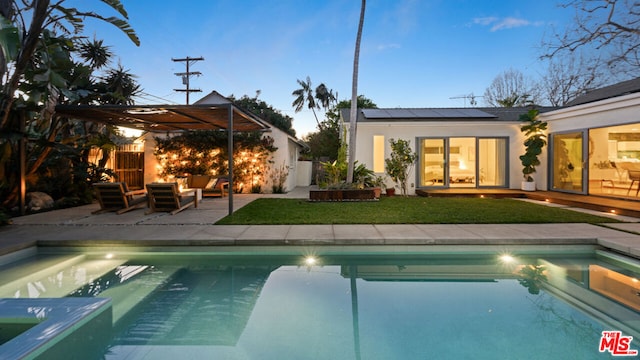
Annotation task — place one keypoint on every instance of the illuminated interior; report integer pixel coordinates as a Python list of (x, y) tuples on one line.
[(464, 162), (609, 157), (614, 160)]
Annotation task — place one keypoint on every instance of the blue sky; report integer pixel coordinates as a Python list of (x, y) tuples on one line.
[(413, 54)]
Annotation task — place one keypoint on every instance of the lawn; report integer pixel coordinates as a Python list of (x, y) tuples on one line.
[(401, 210)]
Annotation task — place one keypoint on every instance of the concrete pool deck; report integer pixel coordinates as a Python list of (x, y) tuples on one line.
[(195, 227)]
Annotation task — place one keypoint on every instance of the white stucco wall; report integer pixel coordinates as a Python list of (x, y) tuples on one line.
[(287, 154), (619, 110), (304, 173), (414, 130)]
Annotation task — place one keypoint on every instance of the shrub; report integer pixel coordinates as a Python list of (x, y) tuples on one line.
[(399, 166)]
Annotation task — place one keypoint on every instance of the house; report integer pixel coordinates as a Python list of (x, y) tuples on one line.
[(285, 157), (592, 144)]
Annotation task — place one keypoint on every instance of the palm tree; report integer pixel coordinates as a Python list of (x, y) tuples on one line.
[(118, 86), (304, 95), (95, 53), (354, 99), (325, 96)]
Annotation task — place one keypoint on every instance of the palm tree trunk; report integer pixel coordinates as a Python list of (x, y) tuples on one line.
[(353, 118)]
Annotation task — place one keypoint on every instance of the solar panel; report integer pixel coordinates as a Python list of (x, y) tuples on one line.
[(425, 113)]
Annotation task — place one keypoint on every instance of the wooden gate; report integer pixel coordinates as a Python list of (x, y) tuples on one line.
[(129, 167)]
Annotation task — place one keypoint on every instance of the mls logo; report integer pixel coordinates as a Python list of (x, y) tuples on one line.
[(616, 344)]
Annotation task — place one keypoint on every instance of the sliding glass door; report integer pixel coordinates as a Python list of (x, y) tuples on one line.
[(462, 162), (568, 154), (492, 155), (432, 162)]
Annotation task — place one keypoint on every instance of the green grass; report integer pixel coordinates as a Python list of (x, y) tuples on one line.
[(401, 210)]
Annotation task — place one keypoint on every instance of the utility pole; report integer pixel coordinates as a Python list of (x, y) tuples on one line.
[(188, 74)]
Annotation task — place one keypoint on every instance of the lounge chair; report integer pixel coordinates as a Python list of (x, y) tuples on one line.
[(167, 197), (211, 186), (117, 197)]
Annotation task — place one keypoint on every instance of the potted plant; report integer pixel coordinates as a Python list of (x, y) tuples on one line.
[(398, 167), (378, 183), (535, 140)]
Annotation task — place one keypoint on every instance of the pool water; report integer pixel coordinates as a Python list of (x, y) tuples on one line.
[(396, 305)]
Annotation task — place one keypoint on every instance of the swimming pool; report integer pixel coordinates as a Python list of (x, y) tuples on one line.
[(344, 303)]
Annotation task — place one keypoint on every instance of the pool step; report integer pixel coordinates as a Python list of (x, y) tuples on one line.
[(130, 293), (53, 278)]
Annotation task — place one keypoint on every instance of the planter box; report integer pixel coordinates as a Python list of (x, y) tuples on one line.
[(528, 186), (342, 195)]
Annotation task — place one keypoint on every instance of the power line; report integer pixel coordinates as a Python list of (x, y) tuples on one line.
[(188, 74), (154, 99)]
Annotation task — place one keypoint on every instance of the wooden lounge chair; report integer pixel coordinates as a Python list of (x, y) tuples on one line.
[(167, 197), (117, 197)]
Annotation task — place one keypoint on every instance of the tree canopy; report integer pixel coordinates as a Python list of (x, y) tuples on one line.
[(511, 88), (605, 32), (266, 112), (45, 60), (324, 143), (321, 98)]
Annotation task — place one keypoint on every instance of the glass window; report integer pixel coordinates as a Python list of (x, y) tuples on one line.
[(492, 156), (378, 153), (432, 160), (567, 161), (472, 162), (462, 162), (613, 151)]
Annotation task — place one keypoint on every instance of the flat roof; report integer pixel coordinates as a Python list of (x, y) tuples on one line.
[(511, 114)]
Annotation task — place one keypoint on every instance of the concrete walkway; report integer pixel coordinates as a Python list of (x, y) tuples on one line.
[(195, 227)]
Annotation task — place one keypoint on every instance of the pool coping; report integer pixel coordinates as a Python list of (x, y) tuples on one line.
[(621, 237)]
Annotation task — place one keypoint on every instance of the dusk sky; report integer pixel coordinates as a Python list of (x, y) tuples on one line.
[(413, 54)]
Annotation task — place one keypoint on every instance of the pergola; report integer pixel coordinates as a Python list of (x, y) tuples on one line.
[(168, 118)]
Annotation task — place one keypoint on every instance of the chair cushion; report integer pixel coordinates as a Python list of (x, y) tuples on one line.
[(211, 184), (198, 181)]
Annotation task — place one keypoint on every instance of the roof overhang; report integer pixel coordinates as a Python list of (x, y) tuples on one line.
[(163, 118)]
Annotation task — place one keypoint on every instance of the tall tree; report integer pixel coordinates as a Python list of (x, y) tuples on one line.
[(23, 28), (325, 142), (265, 111), (511, 88), (304, 95), (567, 78), (325, 96), (322, 98), (353, 119), (38, 45), (603, 29)]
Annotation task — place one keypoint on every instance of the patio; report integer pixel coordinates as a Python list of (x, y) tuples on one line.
[(194, 227)]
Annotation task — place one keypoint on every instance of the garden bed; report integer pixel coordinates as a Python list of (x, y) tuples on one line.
[(344, 195)]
